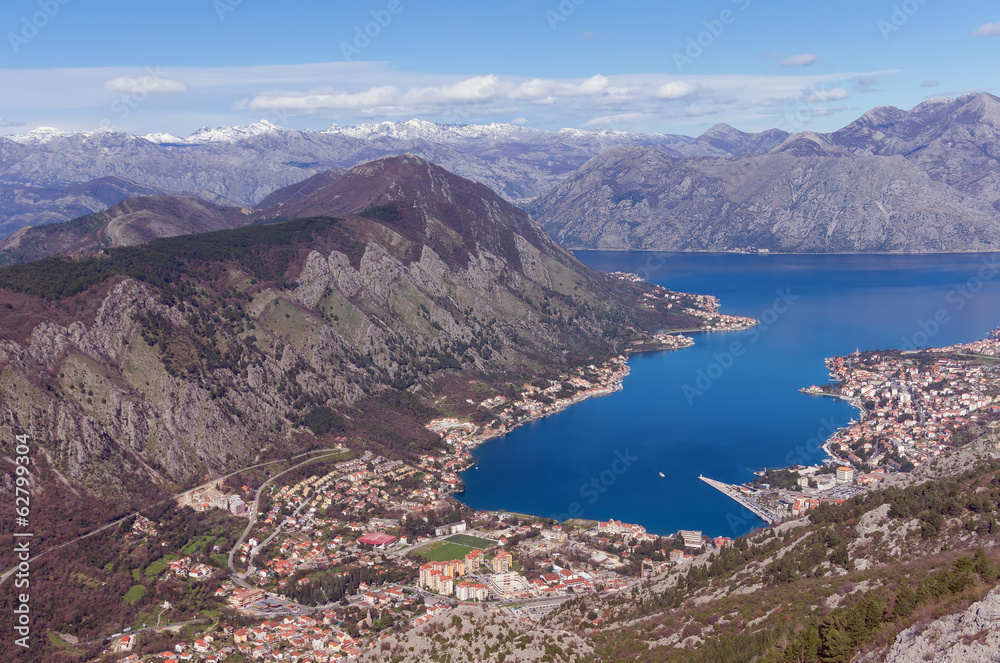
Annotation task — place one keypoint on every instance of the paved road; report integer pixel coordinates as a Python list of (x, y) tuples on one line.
[(236, 577), (119, 521), (174, 625)]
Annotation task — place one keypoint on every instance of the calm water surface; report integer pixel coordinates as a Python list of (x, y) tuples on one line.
[(702, 410)]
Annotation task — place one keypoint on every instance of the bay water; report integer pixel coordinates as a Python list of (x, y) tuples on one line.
[(730, 405)]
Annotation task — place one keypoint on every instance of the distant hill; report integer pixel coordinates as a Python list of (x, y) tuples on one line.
[(242, 166), (135, 221), (923, 180), (43, 202)]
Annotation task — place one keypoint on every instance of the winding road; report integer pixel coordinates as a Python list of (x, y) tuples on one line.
[(119, 521)]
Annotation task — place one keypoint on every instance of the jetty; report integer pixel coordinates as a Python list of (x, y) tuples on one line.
[(745, 497)]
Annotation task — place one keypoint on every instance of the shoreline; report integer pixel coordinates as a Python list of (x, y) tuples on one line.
[(785, 253), (619, 368)]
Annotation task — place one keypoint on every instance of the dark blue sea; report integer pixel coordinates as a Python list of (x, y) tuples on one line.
[(730, 405)]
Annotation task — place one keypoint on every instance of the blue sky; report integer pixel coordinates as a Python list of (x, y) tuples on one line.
[(174, 66)]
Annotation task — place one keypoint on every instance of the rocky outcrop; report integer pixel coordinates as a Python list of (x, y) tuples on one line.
[(969, 637)]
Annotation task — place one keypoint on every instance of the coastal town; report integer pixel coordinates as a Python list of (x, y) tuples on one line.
[(703, 308), (334, 559), (915, 404), (358, 546)]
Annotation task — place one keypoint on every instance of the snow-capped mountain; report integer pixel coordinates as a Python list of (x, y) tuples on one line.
[(244, 164), (42, 135), (233, 134), (421, 129), (940, 148)]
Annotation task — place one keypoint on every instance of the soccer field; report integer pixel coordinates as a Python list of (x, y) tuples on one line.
[(443, 551), (471, 541)]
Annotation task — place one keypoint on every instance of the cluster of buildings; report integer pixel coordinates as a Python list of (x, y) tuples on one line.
[(912, 408), (627, 531), (533, 402), (212, 497), (184, 567), (705, 307), (143, 527), (303, 639), (662, 341), (442, 576)]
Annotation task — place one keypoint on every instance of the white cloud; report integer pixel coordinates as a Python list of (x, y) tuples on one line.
[(544, 90), (377, 97), (151, 83), (800, 60), (675, 90), (929, 83), (595, 85), (866, 83), (613, 121), (836, 92), (987, 30), (316, 95), (822, 111), (10, 123)]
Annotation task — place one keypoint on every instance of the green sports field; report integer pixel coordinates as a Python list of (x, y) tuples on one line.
[(456, 546), (444, 552), (471, 541)]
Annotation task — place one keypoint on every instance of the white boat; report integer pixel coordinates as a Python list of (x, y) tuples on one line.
[(662, 475)]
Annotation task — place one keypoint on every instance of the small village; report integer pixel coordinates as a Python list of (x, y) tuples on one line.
[(705, 307)]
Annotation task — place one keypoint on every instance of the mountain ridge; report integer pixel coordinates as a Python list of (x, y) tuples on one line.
[(193, 350), (892, 181)]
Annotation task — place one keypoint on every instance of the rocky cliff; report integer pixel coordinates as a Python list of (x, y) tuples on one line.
[(969, 637), (158, 362)]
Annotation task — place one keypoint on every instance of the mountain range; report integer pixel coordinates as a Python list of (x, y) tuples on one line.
[(45, 174), (927, 179), (42, 172), (892, 181)]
